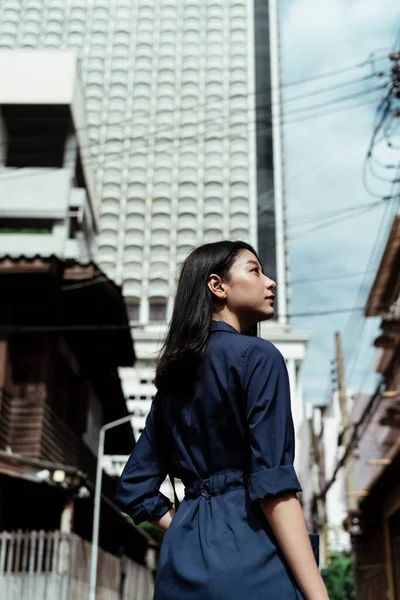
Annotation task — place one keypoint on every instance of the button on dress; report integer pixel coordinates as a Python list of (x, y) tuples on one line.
[(231, 442)]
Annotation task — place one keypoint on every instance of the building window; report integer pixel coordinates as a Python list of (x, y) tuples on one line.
[(157, 310), (36, 134), (26, 225), (132, 308)]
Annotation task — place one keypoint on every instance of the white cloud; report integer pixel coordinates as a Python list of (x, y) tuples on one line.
[(319, 37)]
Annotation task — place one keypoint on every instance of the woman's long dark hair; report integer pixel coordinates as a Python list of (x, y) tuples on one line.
[(190, 325)]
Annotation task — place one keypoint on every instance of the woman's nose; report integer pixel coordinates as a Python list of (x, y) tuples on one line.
[(270, 284)]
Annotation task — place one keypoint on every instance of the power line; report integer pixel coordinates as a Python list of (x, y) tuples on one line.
[(323, 114), (338, 219), (376, 175), (111, 327), (235, 96), (368, 61), (329, 214), (332, 87), (391, 197), (336, 100), (386, 221), (87, 160), (331, 277), (323, 223), (367, 410), (207, 105), (208, 122), (359, 65), (312, 168), (385, 224)]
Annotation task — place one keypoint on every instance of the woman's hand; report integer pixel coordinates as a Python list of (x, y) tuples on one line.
[(165, 521)]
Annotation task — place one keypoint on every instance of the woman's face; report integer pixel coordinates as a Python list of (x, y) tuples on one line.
[(248, 293)]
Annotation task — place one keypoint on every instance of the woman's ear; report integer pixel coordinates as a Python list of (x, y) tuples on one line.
[(217, 286)]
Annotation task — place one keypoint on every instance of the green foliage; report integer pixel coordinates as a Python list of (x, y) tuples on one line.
[(19, 230), (155, 533), (339, 578)]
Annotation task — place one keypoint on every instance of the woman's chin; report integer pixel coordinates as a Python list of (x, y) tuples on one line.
[(268, 314)]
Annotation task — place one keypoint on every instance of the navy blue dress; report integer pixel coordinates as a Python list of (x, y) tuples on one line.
[(231, 443)]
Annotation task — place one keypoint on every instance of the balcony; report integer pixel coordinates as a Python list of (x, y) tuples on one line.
[(40, 211), (41, 88), (33, 429)]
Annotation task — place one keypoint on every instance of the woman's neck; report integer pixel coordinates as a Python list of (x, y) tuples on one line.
[(231, 319)]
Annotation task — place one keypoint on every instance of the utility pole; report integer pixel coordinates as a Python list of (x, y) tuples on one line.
[(319, 516), (346, 429)]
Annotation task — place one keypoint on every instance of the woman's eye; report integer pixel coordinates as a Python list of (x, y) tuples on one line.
[(256, 269)]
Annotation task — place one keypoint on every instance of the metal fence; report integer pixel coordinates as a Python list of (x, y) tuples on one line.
[(38, 565)]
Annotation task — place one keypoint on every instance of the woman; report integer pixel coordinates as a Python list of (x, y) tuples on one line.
[(221, 421)]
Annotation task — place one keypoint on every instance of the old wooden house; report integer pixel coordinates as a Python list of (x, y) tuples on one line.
[(63, 334), (376, 460)]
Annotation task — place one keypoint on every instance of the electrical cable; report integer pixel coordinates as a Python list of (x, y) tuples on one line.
[(205, 106), (93, 159), (382, 232), (207, 122), (336, 220), (332, 87), (330, 277), (329, 214), (110, 327)]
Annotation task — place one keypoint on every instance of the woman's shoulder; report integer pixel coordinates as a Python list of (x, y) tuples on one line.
[(257, 349), (245, 348)]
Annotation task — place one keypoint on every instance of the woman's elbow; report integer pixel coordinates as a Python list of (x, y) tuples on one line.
[(272, 504)]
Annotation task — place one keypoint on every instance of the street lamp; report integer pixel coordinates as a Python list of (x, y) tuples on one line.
[(97, 500)]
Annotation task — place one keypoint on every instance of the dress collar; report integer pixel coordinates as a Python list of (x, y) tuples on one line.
[(222, 326)]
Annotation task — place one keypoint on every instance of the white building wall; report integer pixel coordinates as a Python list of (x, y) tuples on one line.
[(169, 92), (41, 199), (170, 95), (336, 500)]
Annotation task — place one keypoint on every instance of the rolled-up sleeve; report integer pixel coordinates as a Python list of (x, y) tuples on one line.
[(138, 491), (269, 420)]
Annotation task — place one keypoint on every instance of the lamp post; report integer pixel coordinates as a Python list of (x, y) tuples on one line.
[(97, 502)]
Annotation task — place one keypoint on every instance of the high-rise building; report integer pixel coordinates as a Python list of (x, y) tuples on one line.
[(184, 127)]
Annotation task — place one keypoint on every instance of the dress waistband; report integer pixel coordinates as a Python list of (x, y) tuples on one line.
[(218, 483)]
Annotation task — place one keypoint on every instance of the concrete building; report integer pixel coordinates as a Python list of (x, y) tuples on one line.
[(46, 190), (183, 101), (320, 440)]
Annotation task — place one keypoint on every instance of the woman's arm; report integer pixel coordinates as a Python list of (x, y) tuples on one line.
[(138, 491), (165, 521), (285, 516)]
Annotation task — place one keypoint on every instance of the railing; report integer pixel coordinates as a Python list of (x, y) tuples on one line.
[(38, 565), (33, 428), (5, 405), (21, 424), (58, 442), (33, 552)]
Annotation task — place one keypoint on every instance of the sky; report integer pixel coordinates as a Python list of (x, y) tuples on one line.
[(324, 161)]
